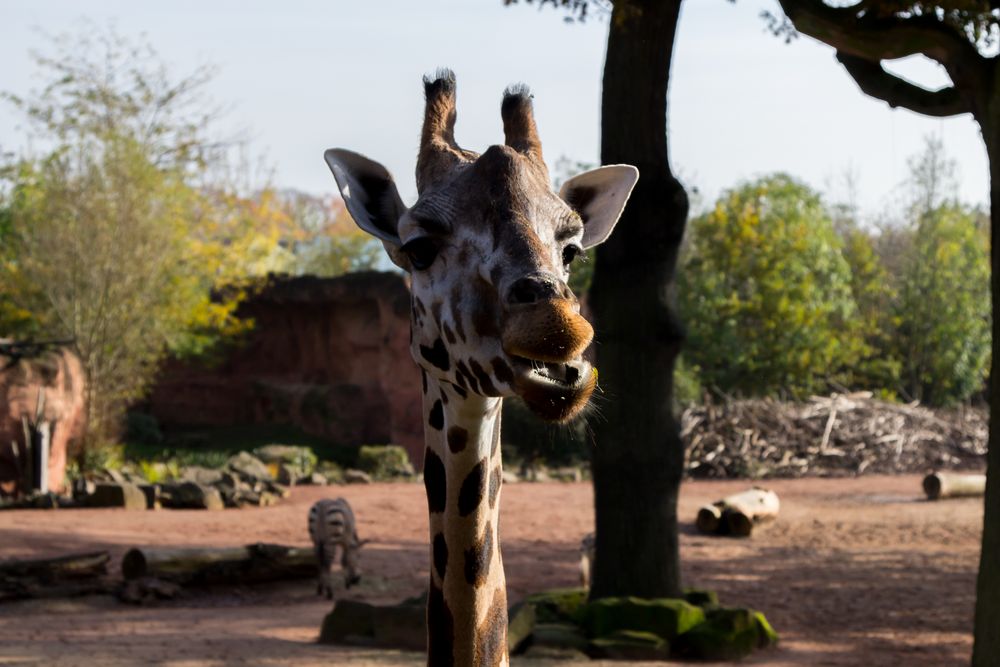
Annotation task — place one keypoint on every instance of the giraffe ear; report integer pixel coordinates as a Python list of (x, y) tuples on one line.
[(371, 197), (599, 196)]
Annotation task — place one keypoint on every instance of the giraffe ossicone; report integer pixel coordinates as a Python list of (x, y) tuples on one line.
[(488, 246)]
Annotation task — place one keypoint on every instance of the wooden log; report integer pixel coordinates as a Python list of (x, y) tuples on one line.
[(64, 576), (951, 485), (254, 563), (739, 513), (72, 566)]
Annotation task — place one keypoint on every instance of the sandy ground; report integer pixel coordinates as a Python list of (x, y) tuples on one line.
[(854, 572)]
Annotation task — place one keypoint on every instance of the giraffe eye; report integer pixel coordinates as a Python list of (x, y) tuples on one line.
[(421, 252), (570, 253)]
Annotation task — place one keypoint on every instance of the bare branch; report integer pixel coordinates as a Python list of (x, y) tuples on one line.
[(875, 81)]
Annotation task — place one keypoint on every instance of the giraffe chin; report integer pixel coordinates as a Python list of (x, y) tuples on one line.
[(555, 392)]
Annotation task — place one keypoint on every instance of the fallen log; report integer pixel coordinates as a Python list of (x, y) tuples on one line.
[(950, 485), (64, 576), (254, 563), (739, 513), (72, 566)]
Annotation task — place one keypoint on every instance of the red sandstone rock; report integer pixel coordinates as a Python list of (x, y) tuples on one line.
[(328, 355), (59, 374)]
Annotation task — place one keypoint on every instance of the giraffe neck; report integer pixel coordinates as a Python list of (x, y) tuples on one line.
[(467, 602)]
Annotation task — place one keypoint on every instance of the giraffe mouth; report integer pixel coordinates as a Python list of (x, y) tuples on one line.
[(562, 374), (555, 391)]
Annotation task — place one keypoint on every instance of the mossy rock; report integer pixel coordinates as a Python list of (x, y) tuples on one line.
[(630, 645), (701, 598), (558, 635), (558, 605), (520, 625), (333, 472), (384, 462), (664, 617), (727, 634), (350, 622), (766, 636), (302, 459)]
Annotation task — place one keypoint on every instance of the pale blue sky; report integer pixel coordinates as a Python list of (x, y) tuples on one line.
[(304, 75)]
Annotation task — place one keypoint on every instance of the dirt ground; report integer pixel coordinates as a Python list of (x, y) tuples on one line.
[(854, 572)]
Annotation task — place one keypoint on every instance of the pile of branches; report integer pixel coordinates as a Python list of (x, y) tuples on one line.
[(838, 435)]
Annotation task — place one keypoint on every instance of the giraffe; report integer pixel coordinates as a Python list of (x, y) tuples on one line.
[(488, 247)]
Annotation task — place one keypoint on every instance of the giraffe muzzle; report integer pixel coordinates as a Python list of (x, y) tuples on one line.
[(547, 331), (546, 340)]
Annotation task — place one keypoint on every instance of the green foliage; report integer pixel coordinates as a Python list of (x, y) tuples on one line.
[(766, 292), (943, 313), (384, 462), (875, 294), (528, 440)]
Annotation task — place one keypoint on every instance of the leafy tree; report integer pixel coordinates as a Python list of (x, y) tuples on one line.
[(328, 242), (875, 294), (112, 237), (961, 35), (943, 336), (766, 292)]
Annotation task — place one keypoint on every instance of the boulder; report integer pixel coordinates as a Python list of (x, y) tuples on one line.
[(190, 495), (201, 475), (664, 617), (333, 473), (352, 476), (112, 494), (316, 479), (249, 467)]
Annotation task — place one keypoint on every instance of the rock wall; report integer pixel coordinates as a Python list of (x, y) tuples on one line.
[(59, 375), (328, 355)]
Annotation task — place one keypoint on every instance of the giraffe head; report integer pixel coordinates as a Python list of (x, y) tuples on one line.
[(489, 247)]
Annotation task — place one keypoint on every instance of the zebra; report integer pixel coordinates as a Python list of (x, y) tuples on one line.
[(332, 525)]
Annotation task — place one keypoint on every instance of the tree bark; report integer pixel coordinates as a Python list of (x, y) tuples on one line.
[(638, 456), (987, 624)]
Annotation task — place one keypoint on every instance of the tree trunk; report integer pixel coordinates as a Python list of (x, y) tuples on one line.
[(987, 625), (638, 456)]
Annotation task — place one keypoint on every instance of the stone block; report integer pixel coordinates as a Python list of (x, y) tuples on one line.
[(113, 494)]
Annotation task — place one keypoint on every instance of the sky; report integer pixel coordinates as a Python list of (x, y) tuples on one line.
[(300, 76)]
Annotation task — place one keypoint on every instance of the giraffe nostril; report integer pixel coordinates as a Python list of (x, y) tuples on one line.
[(534, 288)]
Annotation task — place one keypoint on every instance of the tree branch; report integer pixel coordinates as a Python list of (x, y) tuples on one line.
[(856, 32), (875, 81)]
